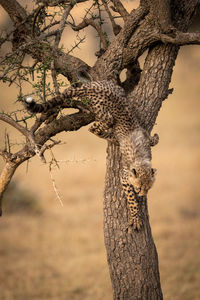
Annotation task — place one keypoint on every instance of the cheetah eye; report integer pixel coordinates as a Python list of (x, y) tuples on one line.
[(134, 172)]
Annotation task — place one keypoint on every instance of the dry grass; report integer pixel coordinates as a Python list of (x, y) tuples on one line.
[(60, 254)]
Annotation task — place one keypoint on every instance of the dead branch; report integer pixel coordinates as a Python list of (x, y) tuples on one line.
[(87, 22), (181, 38), (116, 28), (4, 117), (62, 25), (54, 162), (53, 75), (5, 178), (57, 2), (15, 11), (118, 7)]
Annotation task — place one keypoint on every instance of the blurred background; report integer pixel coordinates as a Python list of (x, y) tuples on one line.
[(50, 251)]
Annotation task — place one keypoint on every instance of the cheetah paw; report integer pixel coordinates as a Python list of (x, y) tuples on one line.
[(135, 222), (154, 140)]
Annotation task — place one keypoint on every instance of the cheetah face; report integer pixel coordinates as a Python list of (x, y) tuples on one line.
[(142, 179)]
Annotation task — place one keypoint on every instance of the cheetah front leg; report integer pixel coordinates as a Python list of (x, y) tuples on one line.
[(135, 219), (133, 205), (154, 140)]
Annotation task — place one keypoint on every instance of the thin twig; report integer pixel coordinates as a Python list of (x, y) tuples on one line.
[(87, 22), (53, 75), (62, 25), (116, 27), (4, 117), (118, 7), (54, 161), (44, 85)]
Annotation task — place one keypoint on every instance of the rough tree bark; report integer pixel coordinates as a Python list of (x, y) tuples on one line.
[(132, 256)]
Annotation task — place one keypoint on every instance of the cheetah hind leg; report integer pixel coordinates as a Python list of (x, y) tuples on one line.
[(102, 130), (98, 128), (104, 122)]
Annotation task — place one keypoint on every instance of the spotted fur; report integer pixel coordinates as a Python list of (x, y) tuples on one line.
[(115, 121)]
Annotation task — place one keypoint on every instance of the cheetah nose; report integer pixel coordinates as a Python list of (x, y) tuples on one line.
[(142, 193)]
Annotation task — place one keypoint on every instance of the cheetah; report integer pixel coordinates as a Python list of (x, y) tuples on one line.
[(116, 122)]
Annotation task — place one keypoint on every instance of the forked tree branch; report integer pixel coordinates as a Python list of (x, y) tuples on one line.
[(90, 22)]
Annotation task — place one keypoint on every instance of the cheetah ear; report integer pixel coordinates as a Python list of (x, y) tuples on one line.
[(134, 172), (154, 171)]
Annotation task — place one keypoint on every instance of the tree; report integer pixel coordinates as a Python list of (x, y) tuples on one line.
[(132, 256)]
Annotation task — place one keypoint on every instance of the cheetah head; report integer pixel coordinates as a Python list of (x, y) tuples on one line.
[(142, 179)]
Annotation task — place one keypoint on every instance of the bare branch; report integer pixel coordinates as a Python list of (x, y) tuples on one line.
[(57, 2), (16, 12), (87, 22), (62, 25), (53, 75), (71, 122), (13, 123), (5, 178), (118, 7), (181, 38), (116, 27), (54, 162)]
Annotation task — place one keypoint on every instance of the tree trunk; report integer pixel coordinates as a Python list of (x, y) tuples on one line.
[(131, 254)]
